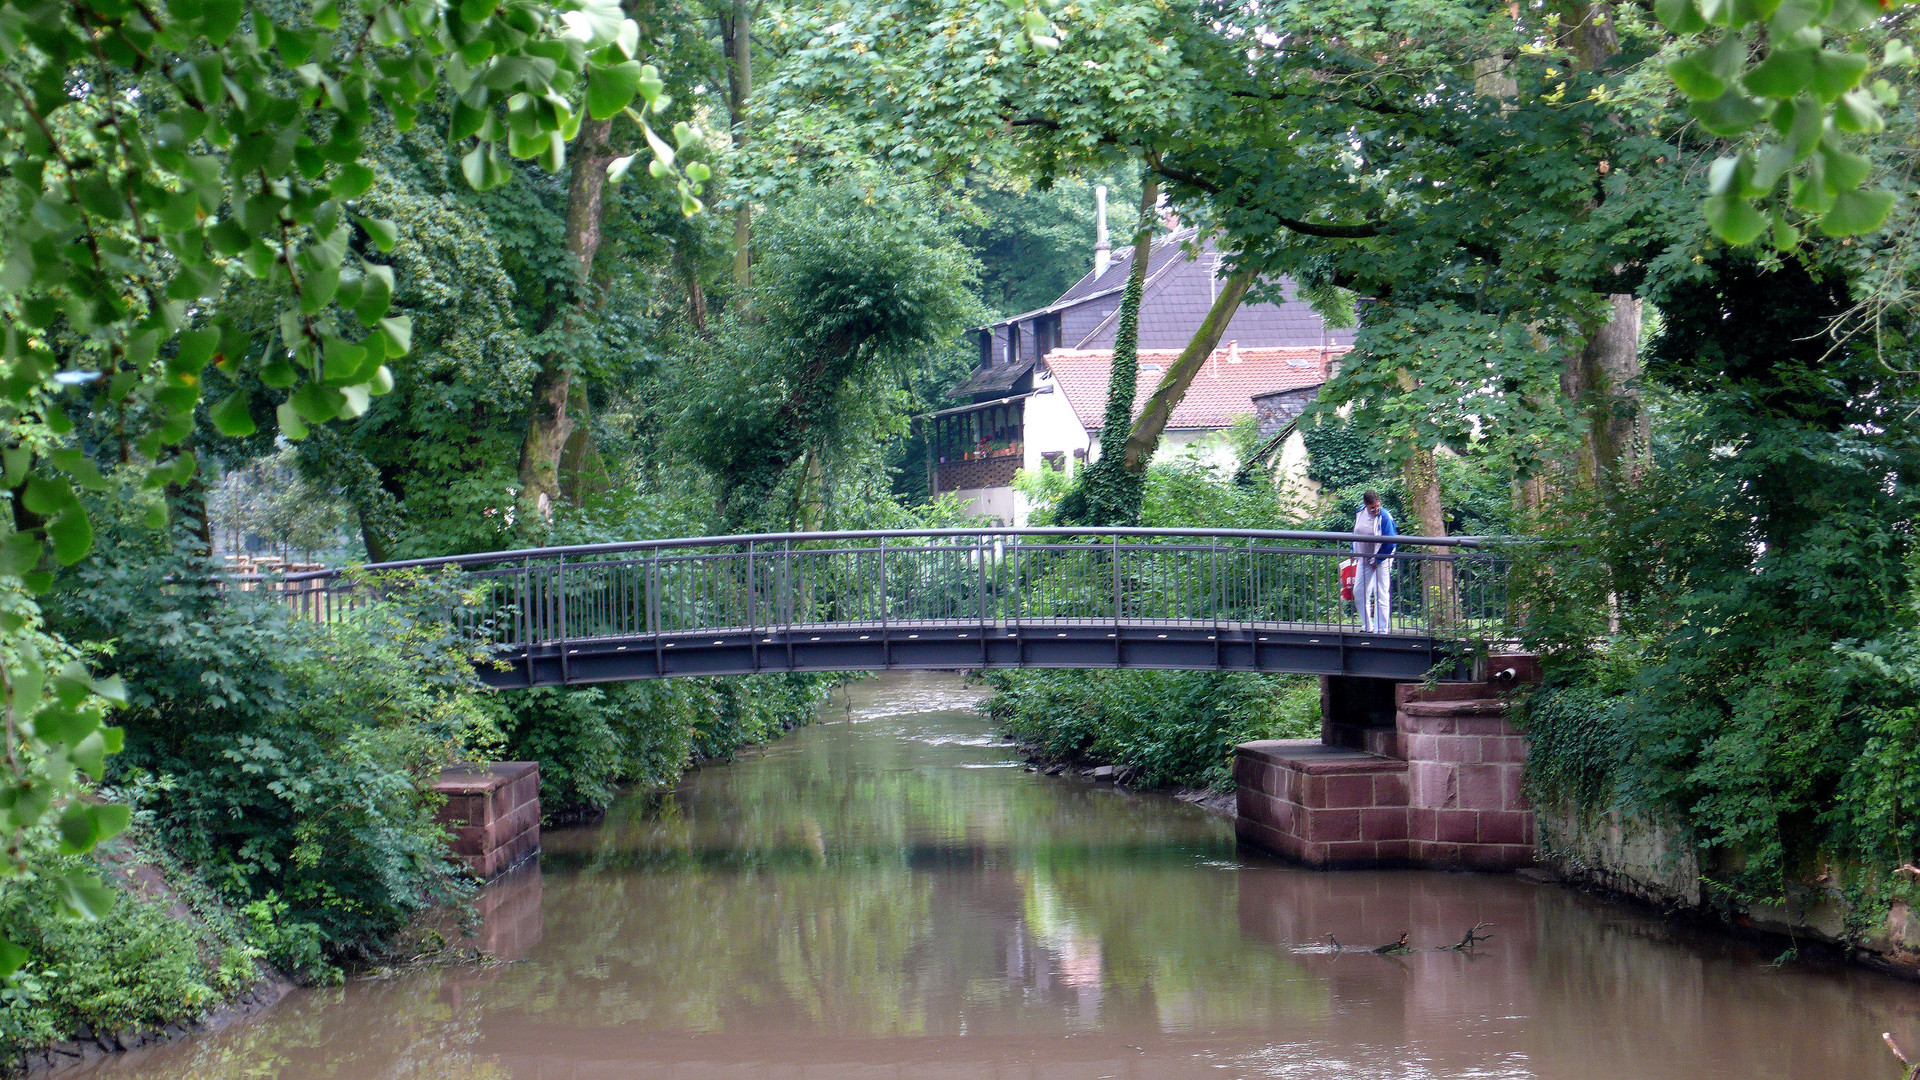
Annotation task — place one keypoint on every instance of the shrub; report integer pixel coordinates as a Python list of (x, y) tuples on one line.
[(590, 740), (280, 757), (1174, 727)]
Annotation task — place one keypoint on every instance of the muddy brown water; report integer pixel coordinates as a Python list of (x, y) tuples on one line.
[(889, 894)]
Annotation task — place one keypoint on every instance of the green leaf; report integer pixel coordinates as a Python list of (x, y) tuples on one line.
[(317, 288), (1679, 16), (1849, 15), (278, 372), (195, 350), (110, 819), (316, 402), (1706, 73), (398, 330), (11, 957), (1784, 73), (376, 295), (81, 468), (290, 423), (1857, 113), (473, 166), (1845, 170), (76, 829), (1770, 165), (1856, 212), (1835, 73), (72, 536), (610, 89), (382, 232), (382, 383), (351, 181), (1793, 16), (16, 460), (1734, 220), (1801, 121), (342, 362), (1732, 113), (91, 755), (46, 496), (85, 896), (1810, 192), (20, 553)]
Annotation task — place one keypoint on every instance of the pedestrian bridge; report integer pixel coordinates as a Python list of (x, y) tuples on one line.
[(1195, 599)]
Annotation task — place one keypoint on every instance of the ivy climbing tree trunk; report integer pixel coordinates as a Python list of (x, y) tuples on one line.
[(549, 419), (1107, 494), (1145, 436)]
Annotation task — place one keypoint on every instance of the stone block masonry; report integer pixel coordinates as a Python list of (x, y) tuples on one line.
[(1440, 788), (493, 811)]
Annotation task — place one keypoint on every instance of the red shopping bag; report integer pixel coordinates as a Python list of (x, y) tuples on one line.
[(1347, 571)]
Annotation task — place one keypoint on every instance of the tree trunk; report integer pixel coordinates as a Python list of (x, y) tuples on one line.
[(1145, 437), (549, 420), (1602, 380), (696, 296), (737, 43), (1105, 493), (582, 471)]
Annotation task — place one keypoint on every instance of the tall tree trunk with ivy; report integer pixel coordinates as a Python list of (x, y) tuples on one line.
[(1107, 494), (549, 417), (1144, 437)]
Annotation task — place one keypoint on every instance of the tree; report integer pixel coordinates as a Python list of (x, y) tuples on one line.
[(158, 153)]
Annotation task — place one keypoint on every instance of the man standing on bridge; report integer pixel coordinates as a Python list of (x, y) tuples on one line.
[(1374, 589)]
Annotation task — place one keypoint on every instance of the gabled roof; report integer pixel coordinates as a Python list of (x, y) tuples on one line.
[(1223, 390), (1166, 247)]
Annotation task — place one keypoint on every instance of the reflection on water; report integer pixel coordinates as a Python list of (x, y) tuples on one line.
[(886, 893)]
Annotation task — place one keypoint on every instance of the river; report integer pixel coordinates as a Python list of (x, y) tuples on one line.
[(889, 893)]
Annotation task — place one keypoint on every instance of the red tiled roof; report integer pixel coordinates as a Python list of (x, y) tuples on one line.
[(1221, 391)]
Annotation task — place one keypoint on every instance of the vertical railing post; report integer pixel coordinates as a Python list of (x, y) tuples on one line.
[(886, 646), (753, 612), (786, 595), (565, 669), (653, 616)]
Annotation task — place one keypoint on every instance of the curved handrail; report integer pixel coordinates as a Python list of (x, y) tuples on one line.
[(733, 539)]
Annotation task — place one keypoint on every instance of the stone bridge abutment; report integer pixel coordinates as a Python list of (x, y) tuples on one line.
[(1403, 774)]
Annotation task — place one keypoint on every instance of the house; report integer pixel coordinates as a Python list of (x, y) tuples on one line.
[(1038, 391)]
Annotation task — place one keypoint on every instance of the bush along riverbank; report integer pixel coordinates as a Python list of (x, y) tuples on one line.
[(1732, 639), (1154, 729), (278, 773)]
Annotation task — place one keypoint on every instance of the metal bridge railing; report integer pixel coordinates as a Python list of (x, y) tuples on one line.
[(1450, 588)]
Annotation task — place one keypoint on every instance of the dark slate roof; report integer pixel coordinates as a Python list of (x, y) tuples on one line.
[(1180, 290), (997, 379)]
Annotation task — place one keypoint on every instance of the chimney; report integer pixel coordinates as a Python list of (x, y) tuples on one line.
[(1233, 352), (1102, 250)]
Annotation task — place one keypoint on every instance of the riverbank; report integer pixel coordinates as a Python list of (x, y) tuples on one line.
[(888, 889)]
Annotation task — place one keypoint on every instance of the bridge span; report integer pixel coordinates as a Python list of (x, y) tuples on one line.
[(1196, 599)]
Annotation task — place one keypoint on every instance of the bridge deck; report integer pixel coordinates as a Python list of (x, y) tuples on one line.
[(951, 644)]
